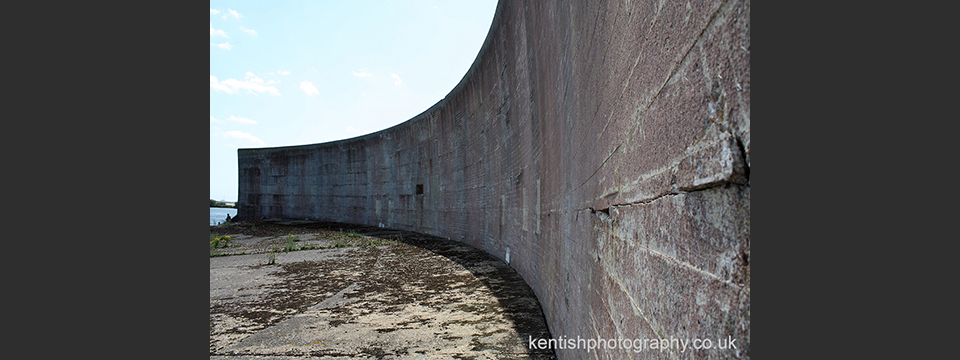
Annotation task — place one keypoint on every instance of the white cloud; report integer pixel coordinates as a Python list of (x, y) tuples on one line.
[(273, 81), (219, 87), (253, 78), (216, 132), (236, 134), (363, 73), (283, 72), (225, 46), (213, 119), (241, 120), (217, 32), (252, 84), (352, 130), (214, 11), (397, 78), (308, 88), (234, 13), (250, 31)]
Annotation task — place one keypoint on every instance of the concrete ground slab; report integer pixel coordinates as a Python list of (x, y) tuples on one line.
[(420, 298)]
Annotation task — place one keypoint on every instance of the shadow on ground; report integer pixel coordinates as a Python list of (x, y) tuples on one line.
[(365, 292)]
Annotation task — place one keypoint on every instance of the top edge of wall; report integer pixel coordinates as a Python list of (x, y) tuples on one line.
[(494, 26)]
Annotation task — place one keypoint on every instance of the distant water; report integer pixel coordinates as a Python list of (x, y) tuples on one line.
[(219, 215)]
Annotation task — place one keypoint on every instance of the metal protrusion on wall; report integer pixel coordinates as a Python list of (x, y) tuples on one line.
[(507, 258)]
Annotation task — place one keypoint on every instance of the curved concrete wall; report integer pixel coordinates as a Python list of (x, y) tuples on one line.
[(602, 149)]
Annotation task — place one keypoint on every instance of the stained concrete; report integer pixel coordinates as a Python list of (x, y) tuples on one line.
[(604, 145), (388, 294)]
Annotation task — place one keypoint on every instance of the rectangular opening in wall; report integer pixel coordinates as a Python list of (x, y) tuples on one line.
[(419, 189)]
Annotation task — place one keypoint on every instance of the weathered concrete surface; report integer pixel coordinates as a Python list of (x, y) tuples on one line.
[(605, 146), (388, 295)]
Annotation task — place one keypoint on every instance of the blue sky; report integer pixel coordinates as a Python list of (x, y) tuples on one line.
[(304, 72)]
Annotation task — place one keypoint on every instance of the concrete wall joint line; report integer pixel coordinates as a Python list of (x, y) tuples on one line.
[(657, 329), (690, 266)]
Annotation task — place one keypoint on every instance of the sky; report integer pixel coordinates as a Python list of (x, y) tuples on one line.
[(305, 72)]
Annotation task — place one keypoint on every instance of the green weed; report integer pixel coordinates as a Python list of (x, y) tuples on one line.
[(227, 254), (219, 242), (340, 243), (291, 241)]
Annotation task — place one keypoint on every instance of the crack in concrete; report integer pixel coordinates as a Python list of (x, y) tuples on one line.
[(606, 210), (604, 215), (673, 166)]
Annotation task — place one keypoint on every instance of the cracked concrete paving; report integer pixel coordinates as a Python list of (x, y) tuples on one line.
[(397, 295)]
